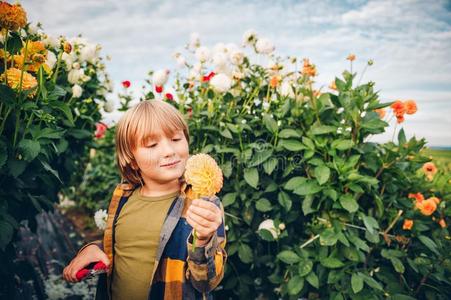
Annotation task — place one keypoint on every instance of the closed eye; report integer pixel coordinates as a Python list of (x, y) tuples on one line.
[(176, 140), (151, 146)]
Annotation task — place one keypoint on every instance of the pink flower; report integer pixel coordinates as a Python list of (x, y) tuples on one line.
[(100, 130)]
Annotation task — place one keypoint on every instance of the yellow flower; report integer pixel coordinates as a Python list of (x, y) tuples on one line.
[(28, 81), (204, 175), (12, 17), (36, 53)]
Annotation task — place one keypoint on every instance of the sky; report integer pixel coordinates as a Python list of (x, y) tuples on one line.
[(409, 42)]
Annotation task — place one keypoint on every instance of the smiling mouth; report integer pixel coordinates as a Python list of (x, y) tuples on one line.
[(170, 164)]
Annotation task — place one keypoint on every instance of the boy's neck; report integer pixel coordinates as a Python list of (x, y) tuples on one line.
[(154, 189)]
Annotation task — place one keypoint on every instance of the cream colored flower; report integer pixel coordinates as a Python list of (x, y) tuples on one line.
[(269, 225), (204, 175), (221, 83), (160, 77)]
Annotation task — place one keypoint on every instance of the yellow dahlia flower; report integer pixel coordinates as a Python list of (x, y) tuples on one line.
[(204, 175), (28, 81), (12, 17)]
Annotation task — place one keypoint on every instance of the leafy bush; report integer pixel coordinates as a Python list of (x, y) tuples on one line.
[(52, 91), (313, 207)]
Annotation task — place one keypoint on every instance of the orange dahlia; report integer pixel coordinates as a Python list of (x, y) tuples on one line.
[(274, 81), (308, 68), (351, 57), (429, 170), (411, 107), (12, 17), (13, 75), (204, 175), (408, 224), (399, 108), (380, 112), (427, 207)]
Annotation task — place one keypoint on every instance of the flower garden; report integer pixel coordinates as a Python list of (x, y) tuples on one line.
[(314, 208)]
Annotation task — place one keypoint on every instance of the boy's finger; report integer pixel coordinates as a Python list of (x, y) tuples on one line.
[(204, 213), (199, 228), (200, 220)]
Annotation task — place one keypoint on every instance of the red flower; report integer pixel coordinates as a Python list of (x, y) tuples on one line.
[(208, 77), (158, 89), (169, 96), (189, 110), (100, 130), (126, 84)]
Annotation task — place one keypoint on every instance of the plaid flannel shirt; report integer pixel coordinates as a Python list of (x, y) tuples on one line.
[(179, 272)]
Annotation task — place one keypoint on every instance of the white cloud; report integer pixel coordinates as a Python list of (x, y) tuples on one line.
[(408, 40)]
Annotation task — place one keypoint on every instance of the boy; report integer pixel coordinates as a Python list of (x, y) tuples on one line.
[(148, 239)]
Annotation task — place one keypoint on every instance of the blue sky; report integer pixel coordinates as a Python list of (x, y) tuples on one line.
[(409, 41)]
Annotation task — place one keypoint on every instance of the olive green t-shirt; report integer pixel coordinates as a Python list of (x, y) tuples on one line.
[(137, 235)]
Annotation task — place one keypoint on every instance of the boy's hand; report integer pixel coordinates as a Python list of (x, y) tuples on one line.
[(205, 217), (89, 255)]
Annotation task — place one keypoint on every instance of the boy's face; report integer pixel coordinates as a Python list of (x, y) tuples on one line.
[(162, 159)]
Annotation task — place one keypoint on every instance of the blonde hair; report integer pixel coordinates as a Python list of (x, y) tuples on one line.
[(137, 126)]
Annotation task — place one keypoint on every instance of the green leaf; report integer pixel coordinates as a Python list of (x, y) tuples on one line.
[(307, 205), (79, 133), (270, 123), (313, 279), (295, 285), (65, 109), (328, 237), (245, 253), (356, 282), (51, 170), (7, 95), (251, 177), (284, 200), (29, 149), (401, 137), (323, 129), (308, 188), (359, 243), (304, 268), (371, 282), (263, 205), (322, 174), (14, 43), (429, 243), (294, 183), (227, 169), (226, 133), (348, 202), (291, 145), (266, 235), (6, 234), (342, 144), (260, 157), (331, 263), (288, 257), (270, 165), (308, 142), (3, 153), (397, 264), (370, 223), (228, 199), (289, 133)]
